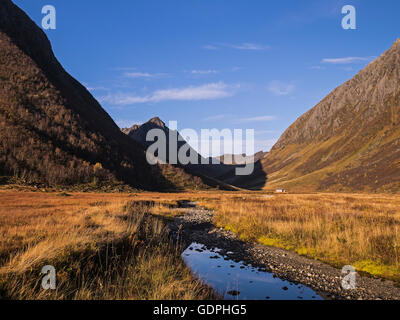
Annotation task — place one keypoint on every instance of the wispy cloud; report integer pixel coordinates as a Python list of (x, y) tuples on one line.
[(210, 47), (123, 99), (92, 89), (257, 119), (202, 72), (135, 75), (237, 119), (241, 46), (347, 60), (248, 46), (210, 91), (280, 88), (215, 118)]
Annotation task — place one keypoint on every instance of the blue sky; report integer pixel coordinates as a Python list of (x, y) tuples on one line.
[(250, 64)]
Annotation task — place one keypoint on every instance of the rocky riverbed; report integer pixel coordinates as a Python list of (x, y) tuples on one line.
[(197, 226)]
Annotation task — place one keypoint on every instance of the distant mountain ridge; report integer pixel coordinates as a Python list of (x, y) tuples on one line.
[(242, 158), (350, 141), (213, 169)]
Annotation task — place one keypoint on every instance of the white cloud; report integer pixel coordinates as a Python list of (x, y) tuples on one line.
[(236, 119), (258, 119), (347, 60), (209, 91), (135, 75), (205, 92), (241, 46), (201, 72), (91, 89), (123, 99), (248, 46), (280, 89)]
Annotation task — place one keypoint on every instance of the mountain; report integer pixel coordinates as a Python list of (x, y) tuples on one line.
[(350, 141), (245, 159), (139, 132), (52, 131), (211, 172)]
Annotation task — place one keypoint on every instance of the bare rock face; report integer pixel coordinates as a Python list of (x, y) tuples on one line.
[(158, 122), (128, 131), (350, 141)]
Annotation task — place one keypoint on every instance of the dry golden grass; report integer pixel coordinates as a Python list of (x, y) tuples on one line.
[(341, 229), (104, 246)]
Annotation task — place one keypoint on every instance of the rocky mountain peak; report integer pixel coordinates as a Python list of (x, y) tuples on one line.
[(157, 121)]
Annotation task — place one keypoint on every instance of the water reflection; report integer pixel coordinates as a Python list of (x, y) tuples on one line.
[(234, 280)]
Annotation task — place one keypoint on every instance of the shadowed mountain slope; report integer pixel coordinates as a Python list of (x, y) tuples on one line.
[(52, 131), (211, 170), (350, 141)]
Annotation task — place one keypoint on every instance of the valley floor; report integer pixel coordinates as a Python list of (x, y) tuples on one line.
[(117, 245), (103, 246)]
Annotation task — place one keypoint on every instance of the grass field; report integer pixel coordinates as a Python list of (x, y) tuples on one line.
[(103, 246), (115, 246), (340, 229)]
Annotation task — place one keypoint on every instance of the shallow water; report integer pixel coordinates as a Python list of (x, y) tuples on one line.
[(234, 280)]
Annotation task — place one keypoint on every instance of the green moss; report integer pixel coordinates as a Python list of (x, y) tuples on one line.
[(275, 242), (310, 252), (377, 269), (271, 242)]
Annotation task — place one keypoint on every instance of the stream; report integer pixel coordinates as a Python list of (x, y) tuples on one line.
[(237, 281)]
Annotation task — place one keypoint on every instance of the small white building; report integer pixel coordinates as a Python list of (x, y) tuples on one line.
[(280, 191)]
